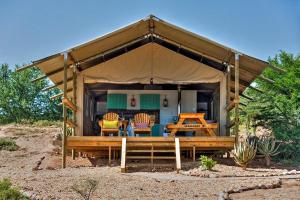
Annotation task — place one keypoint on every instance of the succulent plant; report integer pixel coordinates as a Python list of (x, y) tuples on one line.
[(267, 147), (244, 152)]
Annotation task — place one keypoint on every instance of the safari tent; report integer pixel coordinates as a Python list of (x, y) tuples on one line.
[(184, 83)]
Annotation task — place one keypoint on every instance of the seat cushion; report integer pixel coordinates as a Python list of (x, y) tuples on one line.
[(110, 124), (141, 125)]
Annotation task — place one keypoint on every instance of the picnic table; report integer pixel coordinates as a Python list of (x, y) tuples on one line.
[(192, 122)]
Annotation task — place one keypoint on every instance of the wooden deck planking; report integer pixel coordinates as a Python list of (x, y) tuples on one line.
[(99, 142)]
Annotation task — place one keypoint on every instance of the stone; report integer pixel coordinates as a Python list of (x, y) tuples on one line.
[(212, 175), (221, 196)]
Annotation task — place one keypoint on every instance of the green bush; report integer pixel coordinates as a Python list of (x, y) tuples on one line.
[(7, 192), (42, 123), (8, 144), (207, 163)]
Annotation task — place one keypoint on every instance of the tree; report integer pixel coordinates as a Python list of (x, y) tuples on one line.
[(278, 107), (20, 99)]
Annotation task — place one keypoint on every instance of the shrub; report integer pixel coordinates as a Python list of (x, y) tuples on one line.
[(7, 192), (8, 144), (243, 153), (267, 147), (42, 123), (207, 163), (85, 188)]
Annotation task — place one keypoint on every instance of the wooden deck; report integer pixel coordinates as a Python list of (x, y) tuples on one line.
[(88, 143), (147, 147)]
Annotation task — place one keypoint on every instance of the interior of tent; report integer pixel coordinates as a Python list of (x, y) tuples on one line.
[(154, 80)]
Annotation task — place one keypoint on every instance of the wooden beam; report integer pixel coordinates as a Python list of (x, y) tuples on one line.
[(263, 78), (109, 156), (69, 104), (123, 156), (48, 75), (70, 123), (74, 79), (247, 97), (228, 91), (236, 95), (230, 106), (64, 138), (60, 94), (194, 153), (278, 69), (56, 85), (256, 89), (231, 124), (177, 150), (243, 104)]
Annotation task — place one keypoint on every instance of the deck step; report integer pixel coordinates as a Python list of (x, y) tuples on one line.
[(149, 151), (154, 157)]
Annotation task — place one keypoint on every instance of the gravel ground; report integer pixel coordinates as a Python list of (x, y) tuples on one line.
[(34, 168), (221, 170)]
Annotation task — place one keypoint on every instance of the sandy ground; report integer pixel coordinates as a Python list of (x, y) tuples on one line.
[(51, 182)]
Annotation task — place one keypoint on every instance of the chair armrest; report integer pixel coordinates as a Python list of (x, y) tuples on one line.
[(100, 123), (120, 123), (151, 124), (132, 123)]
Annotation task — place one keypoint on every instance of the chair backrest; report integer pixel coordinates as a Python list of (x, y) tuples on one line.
[(111, 116), (142, 118)]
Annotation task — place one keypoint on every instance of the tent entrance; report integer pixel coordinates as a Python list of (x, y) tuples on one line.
[(163, 102)]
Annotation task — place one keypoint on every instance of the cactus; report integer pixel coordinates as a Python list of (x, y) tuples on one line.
[(267, 147), (243, 153)]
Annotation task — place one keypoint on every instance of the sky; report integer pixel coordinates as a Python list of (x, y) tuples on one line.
[(33, 29)]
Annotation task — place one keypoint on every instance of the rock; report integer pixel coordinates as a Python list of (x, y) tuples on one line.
[(212, 175), (236, 190), (263, 187), (50, 168), (221, 196)]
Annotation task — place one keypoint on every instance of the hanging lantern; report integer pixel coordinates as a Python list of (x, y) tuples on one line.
[(165, 102), (151, 81), (132, 101)]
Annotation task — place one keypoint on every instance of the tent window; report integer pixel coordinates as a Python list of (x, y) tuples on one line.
[(150, 101), (116, 101)]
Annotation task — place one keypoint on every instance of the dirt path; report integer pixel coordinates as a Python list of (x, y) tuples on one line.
[(47, 181)]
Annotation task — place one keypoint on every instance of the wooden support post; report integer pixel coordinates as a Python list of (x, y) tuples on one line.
[(123, 156), (75, 103), (236, 95), (64, 138), (177, 150), (152, 155), (194, 153), (228, 154), (109, 156), (228, 79)]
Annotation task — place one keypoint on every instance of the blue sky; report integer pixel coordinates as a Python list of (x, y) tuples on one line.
[(34, 29)]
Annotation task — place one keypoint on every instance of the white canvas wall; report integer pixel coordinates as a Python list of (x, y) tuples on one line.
[(188, 101)]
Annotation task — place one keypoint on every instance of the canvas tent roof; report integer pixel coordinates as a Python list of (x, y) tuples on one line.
[(113, 44)]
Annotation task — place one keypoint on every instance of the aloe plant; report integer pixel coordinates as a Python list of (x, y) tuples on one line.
[(243, 153), (267, 147)]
